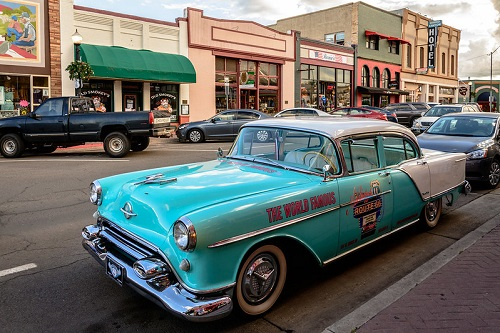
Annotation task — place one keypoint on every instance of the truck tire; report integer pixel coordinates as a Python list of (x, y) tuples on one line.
[(116, 144), (140, 143), (11, 145)]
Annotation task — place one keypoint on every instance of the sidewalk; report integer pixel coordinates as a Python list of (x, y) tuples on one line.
[(457, 291)]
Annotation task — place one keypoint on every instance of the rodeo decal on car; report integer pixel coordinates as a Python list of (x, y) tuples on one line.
[(368, 208), (300, 206)]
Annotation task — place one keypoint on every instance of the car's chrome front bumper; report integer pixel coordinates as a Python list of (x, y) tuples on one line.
[(168, 294)]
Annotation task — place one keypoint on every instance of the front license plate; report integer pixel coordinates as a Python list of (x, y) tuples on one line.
[(115, 271)]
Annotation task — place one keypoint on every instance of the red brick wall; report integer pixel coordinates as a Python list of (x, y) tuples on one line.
[(55, 47)]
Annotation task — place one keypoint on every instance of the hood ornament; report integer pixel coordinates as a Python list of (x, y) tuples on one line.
[(127, 210), (157, 179)]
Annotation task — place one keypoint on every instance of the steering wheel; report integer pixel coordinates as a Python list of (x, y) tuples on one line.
[(326, 159)]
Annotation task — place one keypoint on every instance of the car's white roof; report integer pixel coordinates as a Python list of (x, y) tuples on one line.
[(334, 126)]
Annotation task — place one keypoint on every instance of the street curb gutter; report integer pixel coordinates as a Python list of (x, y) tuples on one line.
[(371, 308)]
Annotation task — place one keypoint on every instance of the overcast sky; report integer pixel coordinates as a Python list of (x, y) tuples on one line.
[(478, 20)]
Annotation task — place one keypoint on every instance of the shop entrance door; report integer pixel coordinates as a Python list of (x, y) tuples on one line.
[(247, 98)]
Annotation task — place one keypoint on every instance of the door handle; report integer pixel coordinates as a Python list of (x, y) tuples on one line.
[(384, 174), (421, 162)]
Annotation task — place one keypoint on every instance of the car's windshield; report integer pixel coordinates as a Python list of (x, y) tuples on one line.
[(438, 111), (287, 148), (463, 126)]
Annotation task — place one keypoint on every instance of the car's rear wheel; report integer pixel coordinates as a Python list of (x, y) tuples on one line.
[(261, 279), (494, 174), (11, 145), (195, 136), (116, 144), (431, 213)]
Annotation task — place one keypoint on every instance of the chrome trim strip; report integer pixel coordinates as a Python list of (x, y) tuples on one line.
[(268, 229), (362, 199), (367, 243)]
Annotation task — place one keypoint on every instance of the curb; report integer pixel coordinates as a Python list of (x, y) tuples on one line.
[(371, 308)]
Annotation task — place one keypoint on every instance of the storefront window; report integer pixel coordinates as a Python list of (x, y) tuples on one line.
[(14, 95), (101, 92), (308, 86), (225, 83), (165, 97), (366, 100), (384, 100), (343, 95)]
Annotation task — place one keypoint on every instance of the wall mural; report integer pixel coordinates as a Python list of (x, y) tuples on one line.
[(20, 32)]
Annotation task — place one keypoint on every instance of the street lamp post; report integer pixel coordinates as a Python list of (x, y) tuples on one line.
[(77, 40), (354, 101)]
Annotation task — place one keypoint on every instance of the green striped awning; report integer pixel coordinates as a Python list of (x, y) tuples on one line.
[(121, 63)]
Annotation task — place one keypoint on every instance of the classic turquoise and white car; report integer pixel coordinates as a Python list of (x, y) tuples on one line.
[(201, 238)]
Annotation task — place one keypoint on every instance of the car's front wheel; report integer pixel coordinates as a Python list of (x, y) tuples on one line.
[(195, 136), (11, 145), (116, 144), (261, 279), (494, 174), (431, 213)]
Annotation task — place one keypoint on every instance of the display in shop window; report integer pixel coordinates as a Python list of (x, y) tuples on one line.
[(20, 40)]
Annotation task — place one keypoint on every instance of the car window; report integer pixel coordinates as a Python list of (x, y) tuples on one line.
[(360, 155), (52, 107), (342, 111), (247, 115), (226, 116), (81, 106), (287, 113), (297, 149), (397, 150)]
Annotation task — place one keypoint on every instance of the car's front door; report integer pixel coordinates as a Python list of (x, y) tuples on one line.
[(366, 195), (221, 125), (49, 122)]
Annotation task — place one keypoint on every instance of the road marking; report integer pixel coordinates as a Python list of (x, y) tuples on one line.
[(59, 160), (17, 269)]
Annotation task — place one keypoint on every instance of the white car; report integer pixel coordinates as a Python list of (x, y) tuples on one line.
[(431, 115)]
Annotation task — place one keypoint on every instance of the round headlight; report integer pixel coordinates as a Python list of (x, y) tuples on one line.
[(184, 235), (95, 193)]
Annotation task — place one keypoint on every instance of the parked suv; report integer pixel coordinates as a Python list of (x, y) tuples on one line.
[(407, 113)]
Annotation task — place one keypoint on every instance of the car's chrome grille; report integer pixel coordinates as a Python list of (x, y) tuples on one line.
[(126, 243)]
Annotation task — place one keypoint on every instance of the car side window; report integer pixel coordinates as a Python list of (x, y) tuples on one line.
[(247, 115), (51, 108), (397, 150), (226, 116), (360, 155), (81, 106)]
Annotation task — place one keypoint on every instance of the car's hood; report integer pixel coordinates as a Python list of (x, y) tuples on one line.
[(177, 191), (454, 144)]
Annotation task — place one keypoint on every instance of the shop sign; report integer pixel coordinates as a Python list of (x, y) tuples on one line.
[(463, 91), (422, 70), (247, 79), (328, 56), (393, 84)]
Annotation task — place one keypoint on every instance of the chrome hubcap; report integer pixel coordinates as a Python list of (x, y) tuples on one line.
[(494, 175), (431, 210), (195, 136), (9, 146), (116, 145), (260, 278)]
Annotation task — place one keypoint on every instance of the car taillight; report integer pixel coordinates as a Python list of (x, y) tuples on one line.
[(151, 118)]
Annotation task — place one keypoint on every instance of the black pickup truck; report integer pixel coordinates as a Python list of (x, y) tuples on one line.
[(71, 121)]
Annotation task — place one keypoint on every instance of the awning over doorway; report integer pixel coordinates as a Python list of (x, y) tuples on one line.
[(382, 36), (121, 63), (381, 91)]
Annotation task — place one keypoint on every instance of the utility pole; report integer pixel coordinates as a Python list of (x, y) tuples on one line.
[(490, 99)]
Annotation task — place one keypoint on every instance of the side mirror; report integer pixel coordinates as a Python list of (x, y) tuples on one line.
[(327, 169)]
